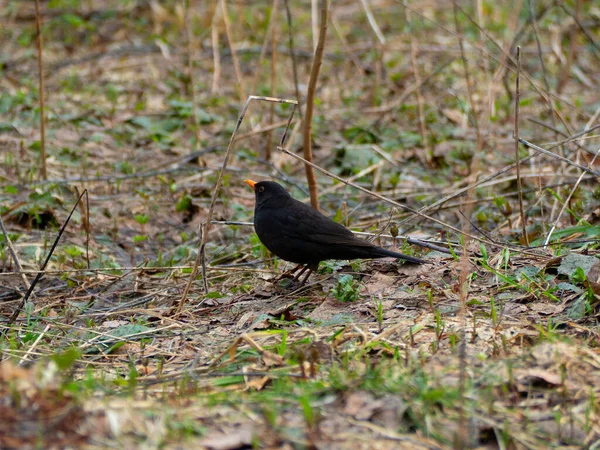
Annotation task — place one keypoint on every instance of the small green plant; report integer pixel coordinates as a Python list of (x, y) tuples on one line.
[(440, 327), (142, 219), (379, 314), (493, 312), (346, 289)]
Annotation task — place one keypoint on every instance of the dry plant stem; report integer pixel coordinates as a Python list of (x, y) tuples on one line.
[(310, 105), (486, 61), (384, 109), (34, 345), (372, 21), (461, 437), (566, 202), (190, 39), (560, 158), (360, 174), (505, 55), (582, 28), (394, 203), (541, 58), (344, 42), (19, 308), (563, 134), (87, 227), (273, 76), (234, 58), (38, 26), (215, 50), (517, 159), (13, 253), (265, 129), (205, 230), (314, 13), (418, 84), (534, 26), (288, 14), (263, 51), (566, 70), (502, 171), (467, 75)]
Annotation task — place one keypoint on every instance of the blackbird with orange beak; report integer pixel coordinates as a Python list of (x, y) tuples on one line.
[(300, 234)]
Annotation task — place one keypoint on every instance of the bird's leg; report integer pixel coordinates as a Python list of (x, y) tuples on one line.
[(311, 269), (299, 274), (290, 272)]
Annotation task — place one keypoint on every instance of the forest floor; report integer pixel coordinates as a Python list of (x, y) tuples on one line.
[(491, 344)]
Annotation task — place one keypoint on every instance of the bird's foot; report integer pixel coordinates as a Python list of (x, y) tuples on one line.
[(288, 273), (296, 278)]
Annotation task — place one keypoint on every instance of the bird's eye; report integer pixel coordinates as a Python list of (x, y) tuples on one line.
[(261, 189)]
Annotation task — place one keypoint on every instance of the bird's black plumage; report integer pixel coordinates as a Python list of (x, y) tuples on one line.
[(298, 233)]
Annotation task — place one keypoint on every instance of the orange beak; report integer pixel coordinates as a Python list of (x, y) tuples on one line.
[(250, 183)]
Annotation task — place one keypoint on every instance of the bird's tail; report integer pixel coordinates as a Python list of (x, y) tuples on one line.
[(382, 252)]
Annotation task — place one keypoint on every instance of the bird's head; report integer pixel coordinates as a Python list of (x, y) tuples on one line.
[(267, 190)]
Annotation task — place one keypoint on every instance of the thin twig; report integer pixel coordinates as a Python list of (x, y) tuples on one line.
[(273, 26), (566, 202), (560, 158), (487, 53), (517, 159), (38, 25), (190, 39), (344, 42), (87, 226), (372, 21), (13, 253), (263, 49), (467, 74), (418, 84), (566, 69), (288, 14), (234, 58), (34, 345), (214, 33), (583, 29), (38, 277)]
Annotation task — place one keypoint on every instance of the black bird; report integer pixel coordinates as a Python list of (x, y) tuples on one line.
[(299, 233)]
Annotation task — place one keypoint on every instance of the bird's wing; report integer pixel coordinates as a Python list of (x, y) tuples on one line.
[(305, 223)]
